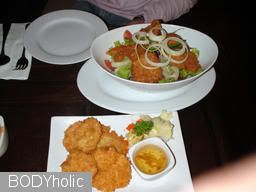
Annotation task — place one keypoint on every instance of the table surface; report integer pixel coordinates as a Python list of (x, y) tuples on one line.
[(216, 130)]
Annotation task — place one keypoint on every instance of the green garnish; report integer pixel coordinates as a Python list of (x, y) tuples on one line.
[(167, 80), (185, 73), (117, 43), (129, 42), (124, 71), (195, 51), (175, 46), (143, 127)]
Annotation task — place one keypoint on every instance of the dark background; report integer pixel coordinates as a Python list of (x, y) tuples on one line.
[(230, 24), (21, 10)]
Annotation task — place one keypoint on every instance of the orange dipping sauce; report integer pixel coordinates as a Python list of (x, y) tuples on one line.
[(151, 159)]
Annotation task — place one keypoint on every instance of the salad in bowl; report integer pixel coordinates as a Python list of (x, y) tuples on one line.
[(154, 56)]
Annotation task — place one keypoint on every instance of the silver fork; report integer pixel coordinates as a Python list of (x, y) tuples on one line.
[(22, 63)]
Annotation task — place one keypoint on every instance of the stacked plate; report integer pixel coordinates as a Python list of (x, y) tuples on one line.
[(104, 91)]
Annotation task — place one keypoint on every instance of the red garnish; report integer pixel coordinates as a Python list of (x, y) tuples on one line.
[(130, 126), (108, 64)]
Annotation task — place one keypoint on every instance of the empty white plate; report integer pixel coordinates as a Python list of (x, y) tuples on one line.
[(63, 37)]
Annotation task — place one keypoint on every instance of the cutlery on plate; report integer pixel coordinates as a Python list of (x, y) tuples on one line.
[(22, 63), (4, 58)]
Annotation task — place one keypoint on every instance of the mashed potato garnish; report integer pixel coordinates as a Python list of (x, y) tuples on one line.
[(146, 127)]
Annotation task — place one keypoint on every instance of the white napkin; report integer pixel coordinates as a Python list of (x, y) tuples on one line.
[(13, 48)]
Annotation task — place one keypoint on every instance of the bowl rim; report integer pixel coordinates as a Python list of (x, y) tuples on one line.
[(160, 143), (102, 66)]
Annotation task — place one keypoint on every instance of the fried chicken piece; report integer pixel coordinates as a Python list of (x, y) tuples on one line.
[(154, 24), (114, 170), (78, 161), (111, 139), (141, 74), (192, 63), (120, 52), (83, 135)]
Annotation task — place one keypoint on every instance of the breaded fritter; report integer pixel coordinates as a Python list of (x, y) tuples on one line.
[(114, 170), (77, 161), (111, 139), (105, 157), (83, 135), (94, 147), (105, 129)]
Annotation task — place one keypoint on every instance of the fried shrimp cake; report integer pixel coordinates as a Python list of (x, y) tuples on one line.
[(83, 135), (141, 74), (114, 170), (105, 157), (111, 139), (105, 129), (78, 161)]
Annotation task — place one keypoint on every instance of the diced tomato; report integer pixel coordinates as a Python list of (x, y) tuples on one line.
[(127, 35), (130, 126), (108, 64)]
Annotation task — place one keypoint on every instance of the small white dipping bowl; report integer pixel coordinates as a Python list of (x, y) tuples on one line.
[(195, 39), (160, 143)]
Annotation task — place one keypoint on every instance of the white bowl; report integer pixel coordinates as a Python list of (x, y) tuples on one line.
[(206, 45), (160, 143), (3, 137)]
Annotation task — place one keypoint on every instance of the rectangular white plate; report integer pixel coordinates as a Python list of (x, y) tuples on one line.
[(175, 180)]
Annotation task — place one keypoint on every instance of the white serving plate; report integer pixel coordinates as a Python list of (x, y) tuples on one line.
[(178, 178)]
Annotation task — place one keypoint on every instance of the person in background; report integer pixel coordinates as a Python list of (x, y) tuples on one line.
[(118, 13), (239, 176)]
